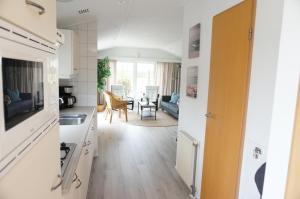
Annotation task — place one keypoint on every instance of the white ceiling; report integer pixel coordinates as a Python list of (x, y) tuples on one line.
[(129, 23)]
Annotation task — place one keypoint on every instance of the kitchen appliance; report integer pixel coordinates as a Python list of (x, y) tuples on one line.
[(67, 89), (66, 98), (66, 152), (28, 91), (23, 90)]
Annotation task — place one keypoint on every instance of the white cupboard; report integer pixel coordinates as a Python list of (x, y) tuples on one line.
[(68, 55), (38, 174), (81, 178), (35, 16)]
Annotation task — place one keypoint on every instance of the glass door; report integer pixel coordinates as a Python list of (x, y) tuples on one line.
[(125, 76)]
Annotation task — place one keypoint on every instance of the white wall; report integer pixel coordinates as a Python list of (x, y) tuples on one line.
[(138, 54), (285, 102), (85, 83), (262, 83), (261, 93)]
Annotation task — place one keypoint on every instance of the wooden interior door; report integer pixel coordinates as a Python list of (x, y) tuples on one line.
[(292, 189), (227, 100)]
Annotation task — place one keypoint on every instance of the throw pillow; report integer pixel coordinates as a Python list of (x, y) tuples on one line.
[(14, 95), (174, 98), (7, 100)]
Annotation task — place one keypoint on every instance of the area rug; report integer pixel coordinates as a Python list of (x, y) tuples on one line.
[(162, 120)]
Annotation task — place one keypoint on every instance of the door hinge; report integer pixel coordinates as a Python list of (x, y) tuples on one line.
[(250, 34)]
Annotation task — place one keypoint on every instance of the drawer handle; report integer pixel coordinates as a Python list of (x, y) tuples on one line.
[(79, 183), (31, 3), (76, 177), (86, 144), (59, 184)]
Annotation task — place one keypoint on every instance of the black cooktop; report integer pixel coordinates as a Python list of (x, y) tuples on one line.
[(66, 152)]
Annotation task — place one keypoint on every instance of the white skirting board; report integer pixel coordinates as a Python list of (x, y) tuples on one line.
[(186, 159)]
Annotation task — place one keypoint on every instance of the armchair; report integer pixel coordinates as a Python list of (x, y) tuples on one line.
[(152, 94), (119, 91), (114, 102)]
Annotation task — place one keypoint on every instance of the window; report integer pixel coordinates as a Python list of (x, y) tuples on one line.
[(124, 76), (145, 76), (135, 77)]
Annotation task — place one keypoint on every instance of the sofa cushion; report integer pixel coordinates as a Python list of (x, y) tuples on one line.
[(164, 104), (170, 106), (18, 107), (14, 95), (174, 98), (173, 107)]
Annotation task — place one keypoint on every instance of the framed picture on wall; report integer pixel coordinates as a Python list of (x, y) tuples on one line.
[(192, 81), (194, 41)]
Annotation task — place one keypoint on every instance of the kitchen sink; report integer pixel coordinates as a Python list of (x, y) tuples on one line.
[(72, 119)]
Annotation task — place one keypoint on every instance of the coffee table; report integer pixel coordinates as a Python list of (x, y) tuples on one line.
[(145, 105)]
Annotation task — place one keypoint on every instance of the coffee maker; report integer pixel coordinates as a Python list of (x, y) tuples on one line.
[(67, 100)]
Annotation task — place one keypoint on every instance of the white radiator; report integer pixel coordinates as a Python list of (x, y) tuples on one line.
[(186, 159)]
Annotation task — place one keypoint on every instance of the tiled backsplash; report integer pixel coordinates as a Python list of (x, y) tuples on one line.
[(85, 83)]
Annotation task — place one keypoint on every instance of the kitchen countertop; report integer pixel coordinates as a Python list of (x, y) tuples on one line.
[(74, 134)]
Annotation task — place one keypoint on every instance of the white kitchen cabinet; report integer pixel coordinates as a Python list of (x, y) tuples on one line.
[(85, 163), (68, 55), (81, 177), (80, 184), (75, 190), (38, 174), (28, 15)]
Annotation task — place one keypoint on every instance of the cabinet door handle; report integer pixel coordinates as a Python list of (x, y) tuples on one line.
[(31, 3), (86, 152), (76, 177), (84, 144), (59, 184), (79, 183)]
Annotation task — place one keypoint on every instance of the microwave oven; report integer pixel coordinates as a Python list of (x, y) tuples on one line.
[(28, 90)]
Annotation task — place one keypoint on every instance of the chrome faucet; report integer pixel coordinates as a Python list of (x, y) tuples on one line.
[(61, 100)]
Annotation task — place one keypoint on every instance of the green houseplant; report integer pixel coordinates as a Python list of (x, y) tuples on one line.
[(103, 71)]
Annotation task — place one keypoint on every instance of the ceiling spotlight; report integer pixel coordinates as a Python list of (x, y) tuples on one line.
[(83, 11)]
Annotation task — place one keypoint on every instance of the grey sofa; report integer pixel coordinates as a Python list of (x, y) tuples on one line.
[(168, 106)]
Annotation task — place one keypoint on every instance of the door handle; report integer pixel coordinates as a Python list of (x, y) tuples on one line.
[(76, 177), (79, 185), (31, 3), (209, 115)]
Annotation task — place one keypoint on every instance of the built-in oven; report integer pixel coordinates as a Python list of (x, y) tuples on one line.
[(28, 90)]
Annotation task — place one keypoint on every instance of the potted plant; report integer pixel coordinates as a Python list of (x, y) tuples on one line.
[(103, 71)]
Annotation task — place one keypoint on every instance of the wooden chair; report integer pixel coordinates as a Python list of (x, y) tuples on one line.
[(119, 90), (114, 102)]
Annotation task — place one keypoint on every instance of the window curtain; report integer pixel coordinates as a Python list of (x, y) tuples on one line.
[(167, 76)]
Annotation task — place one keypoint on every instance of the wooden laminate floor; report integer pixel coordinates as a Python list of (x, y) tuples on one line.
[(135, 163)]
